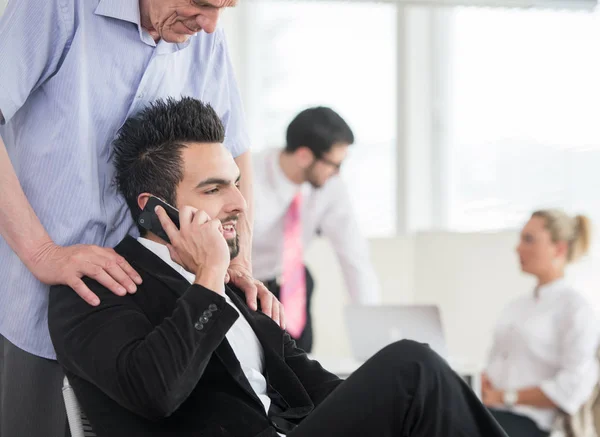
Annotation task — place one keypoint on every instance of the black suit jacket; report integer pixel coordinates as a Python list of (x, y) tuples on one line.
[(157, 362)]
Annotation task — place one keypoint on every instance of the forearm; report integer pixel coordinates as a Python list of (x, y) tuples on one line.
[(244, 162), (19, 225), (534, 397), (212, 279)]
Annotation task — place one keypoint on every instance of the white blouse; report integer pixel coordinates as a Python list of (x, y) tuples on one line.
[(547, 341)]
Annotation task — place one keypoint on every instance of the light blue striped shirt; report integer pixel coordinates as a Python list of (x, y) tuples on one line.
[(71, 71)]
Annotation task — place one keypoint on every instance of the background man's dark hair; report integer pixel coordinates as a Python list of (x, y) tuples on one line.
[(147, 150), (318, 129)]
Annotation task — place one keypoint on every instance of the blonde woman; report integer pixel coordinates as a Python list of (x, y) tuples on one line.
[(543, 357)]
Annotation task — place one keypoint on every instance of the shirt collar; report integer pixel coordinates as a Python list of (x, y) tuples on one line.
[(129, 10), (551, 287), (161, 251), (126, 10)]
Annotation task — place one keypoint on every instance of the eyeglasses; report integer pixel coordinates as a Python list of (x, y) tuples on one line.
[(337, 166)]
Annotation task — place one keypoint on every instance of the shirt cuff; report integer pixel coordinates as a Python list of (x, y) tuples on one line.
[(552, 390), (237, 146), (8, 107)]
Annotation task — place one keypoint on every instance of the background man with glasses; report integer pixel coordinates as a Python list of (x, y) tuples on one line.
[(298, 195)]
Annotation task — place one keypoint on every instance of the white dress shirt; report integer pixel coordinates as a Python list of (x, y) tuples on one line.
[(550, 342), (325, 210), (241, 336)]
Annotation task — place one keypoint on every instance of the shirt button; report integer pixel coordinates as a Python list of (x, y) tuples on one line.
[(199, 326), (213, 307), (203, 319)]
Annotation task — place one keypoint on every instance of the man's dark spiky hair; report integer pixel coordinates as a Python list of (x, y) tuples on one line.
[(147, 150)]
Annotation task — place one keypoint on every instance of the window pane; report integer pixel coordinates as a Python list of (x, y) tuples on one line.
[(524, 121), (307, 54), (523, 116)]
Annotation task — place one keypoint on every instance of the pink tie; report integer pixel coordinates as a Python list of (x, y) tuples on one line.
[(293, 287)]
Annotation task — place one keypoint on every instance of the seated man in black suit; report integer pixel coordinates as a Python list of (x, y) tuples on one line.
[(184, 356)]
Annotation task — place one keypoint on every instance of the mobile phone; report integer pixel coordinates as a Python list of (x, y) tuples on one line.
[(149, 220)]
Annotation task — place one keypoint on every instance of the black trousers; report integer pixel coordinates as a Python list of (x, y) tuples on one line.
[(31, 402), (405, 390), (305, 342), (516, 425)]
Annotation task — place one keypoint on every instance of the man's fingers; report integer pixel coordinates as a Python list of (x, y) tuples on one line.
[(84, 292), (281, 315), (103, 278), (174, 255), (200, 217), (267, 301), (129, 271), (246, 284), (251, 294), (275, 311), (166, 223), (119, 275), (186, 216)]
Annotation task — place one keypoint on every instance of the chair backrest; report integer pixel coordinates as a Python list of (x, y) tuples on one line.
[(78, 423)]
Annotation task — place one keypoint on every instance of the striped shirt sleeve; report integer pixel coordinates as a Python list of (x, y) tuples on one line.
[(224, 95), (33, 37)]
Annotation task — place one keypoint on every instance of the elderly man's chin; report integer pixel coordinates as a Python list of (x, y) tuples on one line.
[(177, 34), (176, 38)]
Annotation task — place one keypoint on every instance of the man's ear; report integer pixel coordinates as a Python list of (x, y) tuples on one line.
[(142, 200), (304, 156)]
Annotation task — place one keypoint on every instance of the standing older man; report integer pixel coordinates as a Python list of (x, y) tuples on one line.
[(70, 73)]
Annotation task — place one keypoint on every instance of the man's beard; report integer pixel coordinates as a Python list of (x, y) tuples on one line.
[(234, 247), (233, 243)]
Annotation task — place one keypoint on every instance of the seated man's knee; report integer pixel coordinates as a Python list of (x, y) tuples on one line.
[(409, 351)]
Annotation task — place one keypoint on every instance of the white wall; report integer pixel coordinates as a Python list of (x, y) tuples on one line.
[(471, 277), (3, 4), (393, 260)]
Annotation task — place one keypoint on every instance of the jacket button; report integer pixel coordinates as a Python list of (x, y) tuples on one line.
[(199, 326), (213, 307), (203, 319), (207, 313)]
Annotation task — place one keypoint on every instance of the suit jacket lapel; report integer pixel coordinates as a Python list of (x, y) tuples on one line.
[(225, 353), (279, 375), (268, 333), (144, 259)]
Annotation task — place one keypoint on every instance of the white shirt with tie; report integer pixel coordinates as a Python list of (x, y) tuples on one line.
[(547, 340), (241, 336), (326, 211)]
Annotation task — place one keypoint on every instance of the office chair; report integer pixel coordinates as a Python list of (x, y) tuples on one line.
[(78, 423)]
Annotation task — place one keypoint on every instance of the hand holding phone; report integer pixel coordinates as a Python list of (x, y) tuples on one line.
[(196, 242)]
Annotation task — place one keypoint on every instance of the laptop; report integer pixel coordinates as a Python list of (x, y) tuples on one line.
[(371, 328)]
